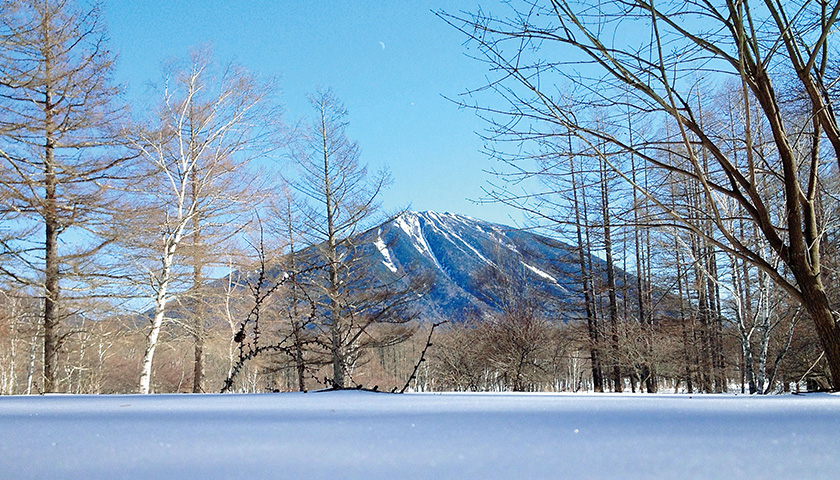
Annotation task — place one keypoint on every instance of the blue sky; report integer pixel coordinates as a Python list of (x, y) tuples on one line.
[(391, 63)]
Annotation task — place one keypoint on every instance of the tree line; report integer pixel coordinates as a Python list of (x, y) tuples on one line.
[(145, 249), (705, 134), (126, 228)]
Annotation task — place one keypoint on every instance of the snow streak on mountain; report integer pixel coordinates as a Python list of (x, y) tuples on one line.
[(456, 252)]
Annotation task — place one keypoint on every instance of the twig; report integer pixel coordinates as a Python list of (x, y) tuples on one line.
[(253, 349), (422, 356)]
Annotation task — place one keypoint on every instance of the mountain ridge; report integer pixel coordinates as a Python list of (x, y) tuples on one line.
[(456, 250)]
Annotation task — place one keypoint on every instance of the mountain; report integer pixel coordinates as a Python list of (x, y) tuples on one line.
[(456, 252), (460, 257)]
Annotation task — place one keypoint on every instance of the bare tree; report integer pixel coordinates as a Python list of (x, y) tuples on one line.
[(586, 280), (194, 186), (658, 57), (286, 212), (58, 118), (248, 336), (516, 337), (342, 200)]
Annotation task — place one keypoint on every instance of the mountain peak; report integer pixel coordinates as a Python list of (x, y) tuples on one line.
[(456, 250)]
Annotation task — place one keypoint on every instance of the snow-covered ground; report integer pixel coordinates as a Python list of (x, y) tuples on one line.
[(381, 436)]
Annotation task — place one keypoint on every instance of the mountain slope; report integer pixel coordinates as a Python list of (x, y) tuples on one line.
[(457, 251)]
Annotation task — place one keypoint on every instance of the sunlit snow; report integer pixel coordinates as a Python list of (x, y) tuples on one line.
[(474, 250), (539, 272), (383, 249), (359, 435), (410, 224), (451, 234)]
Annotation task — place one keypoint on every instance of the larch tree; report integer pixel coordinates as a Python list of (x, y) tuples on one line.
[(59, 119), (584, 263), (342, 201), (557, 59), (287, 226)]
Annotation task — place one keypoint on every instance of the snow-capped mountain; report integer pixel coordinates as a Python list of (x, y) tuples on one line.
[(456, 252)]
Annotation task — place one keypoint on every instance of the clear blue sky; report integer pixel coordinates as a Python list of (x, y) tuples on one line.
[(390, 62)]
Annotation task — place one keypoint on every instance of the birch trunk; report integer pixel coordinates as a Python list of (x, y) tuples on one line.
[(161, 299)]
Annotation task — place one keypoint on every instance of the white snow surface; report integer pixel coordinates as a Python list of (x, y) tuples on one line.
[(452, 236), (410, 224), (539, 272), (361, 435), (383, 249)]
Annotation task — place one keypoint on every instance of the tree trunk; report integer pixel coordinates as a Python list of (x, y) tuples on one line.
[(198, 307), (817, 304), (157, 320), (152, 341), (586, 282), (294, 314), (741, 281), (197, 256), (51, 270), (33, 353), (689, 380), (339, 363), (198, 331), (645, 317), (611, 286)]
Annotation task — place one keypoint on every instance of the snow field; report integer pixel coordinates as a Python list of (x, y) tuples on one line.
[(438, 436)]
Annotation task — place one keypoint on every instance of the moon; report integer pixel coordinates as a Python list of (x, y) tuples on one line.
[(382, 44)]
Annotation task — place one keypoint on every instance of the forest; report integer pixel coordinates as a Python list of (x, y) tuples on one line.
[(200, 242)]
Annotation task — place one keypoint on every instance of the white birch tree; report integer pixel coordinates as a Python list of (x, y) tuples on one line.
[(207, 129)]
